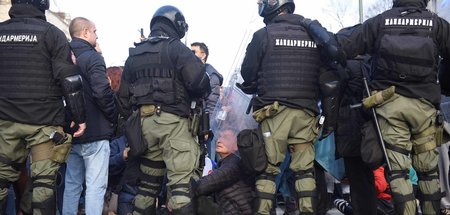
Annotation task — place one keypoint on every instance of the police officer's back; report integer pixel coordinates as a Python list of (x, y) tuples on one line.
[(36, 71), (161, 77), (406, 43), (281, 67)]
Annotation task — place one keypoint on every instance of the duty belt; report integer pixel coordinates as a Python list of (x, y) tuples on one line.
[(149, 110)]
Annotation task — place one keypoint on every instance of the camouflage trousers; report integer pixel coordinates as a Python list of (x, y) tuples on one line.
[(408, 129), (293, 130), (172, 150), (16, 141)]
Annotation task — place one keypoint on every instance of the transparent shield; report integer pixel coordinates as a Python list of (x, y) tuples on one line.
[(230, 115)]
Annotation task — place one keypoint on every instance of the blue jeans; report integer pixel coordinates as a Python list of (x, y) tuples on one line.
[(87, 162), (10, 202)]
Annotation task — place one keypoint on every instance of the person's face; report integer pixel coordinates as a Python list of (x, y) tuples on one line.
[(199, 53), (226, 143), (90, 34)]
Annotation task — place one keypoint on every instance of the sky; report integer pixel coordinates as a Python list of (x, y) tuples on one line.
[(226, 27)]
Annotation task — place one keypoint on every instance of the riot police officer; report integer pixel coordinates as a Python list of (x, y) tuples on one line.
[(281, 67), (161, 77), (406, 42), (36, 72)]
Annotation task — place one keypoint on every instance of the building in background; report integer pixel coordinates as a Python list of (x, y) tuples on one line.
[(60, 20)]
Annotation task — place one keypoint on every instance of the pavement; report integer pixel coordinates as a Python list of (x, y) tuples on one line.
[(333, 211)]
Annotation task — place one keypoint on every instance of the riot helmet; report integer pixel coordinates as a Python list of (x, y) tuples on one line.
[(270, 8), (39, 4), (395, 2), (174, 15)]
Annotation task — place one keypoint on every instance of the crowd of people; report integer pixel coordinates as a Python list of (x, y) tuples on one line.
[(76, 137)]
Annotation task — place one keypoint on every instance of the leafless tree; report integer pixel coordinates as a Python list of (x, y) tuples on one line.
[(338, 10), (377, 7)]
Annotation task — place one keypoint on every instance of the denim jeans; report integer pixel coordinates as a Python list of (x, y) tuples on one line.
[(10, 201), (87, 162)]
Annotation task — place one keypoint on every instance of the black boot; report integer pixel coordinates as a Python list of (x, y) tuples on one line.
[(3, 205), (148, 211), (46, 207), (185, 210)]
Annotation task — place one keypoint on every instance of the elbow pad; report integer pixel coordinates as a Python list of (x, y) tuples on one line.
[(326, 40), (329, 87), (444, 76), (73, 94), (329, 84)]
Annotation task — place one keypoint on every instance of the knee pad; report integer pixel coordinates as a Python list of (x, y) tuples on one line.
[(400, 201), (261, 195), (303, 174), (47, 206), (434, 197), (152, 184), (178, 190), (306, 174)]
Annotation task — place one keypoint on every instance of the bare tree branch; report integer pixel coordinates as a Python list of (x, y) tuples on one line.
[(337, 10), (377, 7)]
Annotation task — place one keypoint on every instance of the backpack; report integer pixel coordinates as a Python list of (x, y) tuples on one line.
[(133, 132), (371, 152), (252, 151)]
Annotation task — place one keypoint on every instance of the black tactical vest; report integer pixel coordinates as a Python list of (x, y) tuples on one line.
[(291, 64), (406, 49), (154, 79), (25, 62)]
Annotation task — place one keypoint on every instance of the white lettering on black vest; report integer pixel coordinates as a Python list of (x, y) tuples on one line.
[(18, 38), (408, 22), (295, 43)]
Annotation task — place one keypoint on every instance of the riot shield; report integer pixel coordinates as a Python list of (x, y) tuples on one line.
[(230, 113)]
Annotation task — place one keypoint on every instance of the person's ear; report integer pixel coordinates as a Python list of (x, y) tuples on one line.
[(85, 33)]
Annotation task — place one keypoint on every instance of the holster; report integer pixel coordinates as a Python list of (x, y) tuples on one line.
[(440, 132), (60, 152), (266, 112), (194, 124)]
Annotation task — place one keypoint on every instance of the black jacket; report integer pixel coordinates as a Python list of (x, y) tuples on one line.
[(350, 120), (101, 112), (215, 81), (365, 39), (29, 110), (227, 183)]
